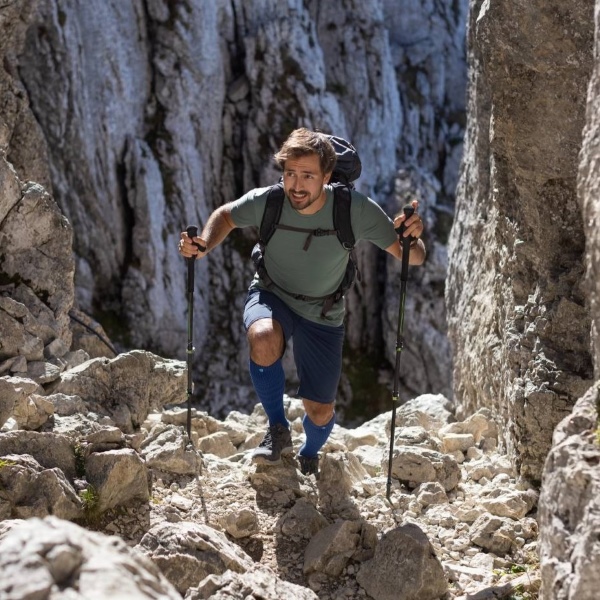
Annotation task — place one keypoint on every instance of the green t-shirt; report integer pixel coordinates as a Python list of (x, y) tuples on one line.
[(318, 270)]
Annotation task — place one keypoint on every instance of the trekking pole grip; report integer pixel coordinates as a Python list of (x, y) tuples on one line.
[(408, 211), (192, 232), (405, 241)]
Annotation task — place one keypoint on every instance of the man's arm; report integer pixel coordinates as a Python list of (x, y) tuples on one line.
[(217, 228)]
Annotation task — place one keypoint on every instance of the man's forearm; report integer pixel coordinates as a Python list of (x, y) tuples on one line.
[(218, 227)]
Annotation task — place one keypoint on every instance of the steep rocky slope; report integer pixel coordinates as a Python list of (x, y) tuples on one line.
[(205, 521)]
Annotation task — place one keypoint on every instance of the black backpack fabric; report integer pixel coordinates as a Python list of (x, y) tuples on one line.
[(347, 169)]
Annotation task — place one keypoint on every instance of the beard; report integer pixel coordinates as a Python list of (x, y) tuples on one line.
[(302, 200)]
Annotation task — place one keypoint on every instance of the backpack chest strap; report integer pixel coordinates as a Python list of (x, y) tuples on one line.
[(311, 232)]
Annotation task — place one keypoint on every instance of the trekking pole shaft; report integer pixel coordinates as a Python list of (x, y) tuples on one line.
[(405, 241), (191, 263)]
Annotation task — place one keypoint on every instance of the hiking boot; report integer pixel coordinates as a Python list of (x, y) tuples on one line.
[(277, 441), (309, 465)]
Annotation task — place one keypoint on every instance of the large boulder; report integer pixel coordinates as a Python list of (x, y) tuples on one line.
[(516, 304), (569, 514), (42, 558), (127, 387)]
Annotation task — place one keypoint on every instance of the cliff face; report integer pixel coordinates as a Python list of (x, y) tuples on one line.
[(571, 484), (145, 116), (36, 264), (516, 303)]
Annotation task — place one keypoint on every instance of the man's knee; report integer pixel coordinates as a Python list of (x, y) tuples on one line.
[(320, 414), (266, 341)]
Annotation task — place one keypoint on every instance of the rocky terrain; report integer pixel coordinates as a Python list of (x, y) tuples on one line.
[(200, 521)]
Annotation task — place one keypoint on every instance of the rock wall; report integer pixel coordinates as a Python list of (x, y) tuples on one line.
[(151, 114), (588, 182), (36, 263), (571, 487), (516, 302)]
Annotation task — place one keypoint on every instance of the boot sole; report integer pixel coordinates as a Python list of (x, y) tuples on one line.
[(263, 460)]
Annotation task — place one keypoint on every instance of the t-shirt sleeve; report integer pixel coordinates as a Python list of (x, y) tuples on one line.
[(248, 210), (369, 222)]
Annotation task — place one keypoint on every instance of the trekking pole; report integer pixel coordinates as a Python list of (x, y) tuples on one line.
[(408, 211), (192, 232)]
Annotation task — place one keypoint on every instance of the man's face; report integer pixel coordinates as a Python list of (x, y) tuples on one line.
[(303, 182)]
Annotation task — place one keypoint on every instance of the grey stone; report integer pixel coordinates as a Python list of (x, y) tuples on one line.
[(568, 505), (166, 448), (127, 387), (303, 520), (245, 586), (188, 552), (415, 465), (332, 547), (32, 491), (421, 576), (39, 556), (49, 449), (119, 477)]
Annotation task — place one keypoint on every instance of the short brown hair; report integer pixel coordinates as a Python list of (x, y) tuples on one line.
[(303, 142)]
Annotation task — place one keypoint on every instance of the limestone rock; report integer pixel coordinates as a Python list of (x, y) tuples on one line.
[(37, 240), (166, 448), (517, 316), (119, 477), (303, 520), (32, 491), (568, 512), (187, 553), (420, 577), (241, 523), (39, 556), (257, 583), (49, 449), (218, 443), (332, 547), (127, 387), (496, 534), (418, 465), (341, 476)]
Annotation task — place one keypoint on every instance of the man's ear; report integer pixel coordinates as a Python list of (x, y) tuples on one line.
[(326, 178)]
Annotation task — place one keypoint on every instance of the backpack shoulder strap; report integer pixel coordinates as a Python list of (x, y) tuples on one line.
[(272, 214), (342, 222)]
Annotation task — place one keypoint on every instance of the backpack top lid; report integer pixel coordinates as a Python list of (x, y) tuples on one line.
[(348, 166)]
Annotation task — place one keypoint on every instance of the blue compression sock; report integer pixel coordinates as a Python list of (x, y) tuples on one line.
[(269, 383), (316, 436)]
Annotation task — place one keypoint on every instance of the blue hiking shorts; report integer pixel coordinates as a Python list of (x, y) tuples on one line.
[(317, 348)]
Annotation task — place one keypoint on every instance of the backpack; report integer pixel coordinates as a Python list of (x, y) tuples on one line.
[(347, 169)]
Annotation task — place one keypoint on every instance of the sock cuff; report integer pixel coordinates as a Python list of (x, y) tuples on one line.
[(311, 423), (256, 369)]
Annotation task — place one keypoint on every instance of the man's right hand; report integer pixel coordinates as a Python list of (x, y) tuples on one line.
[(189, 247)]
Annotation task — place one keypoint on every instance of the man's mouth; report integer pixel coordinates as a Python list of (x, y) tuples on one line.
[(298, 195)]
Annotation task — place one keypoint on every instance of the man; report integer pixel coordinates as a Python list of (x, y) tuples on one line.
[(300, 266)]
